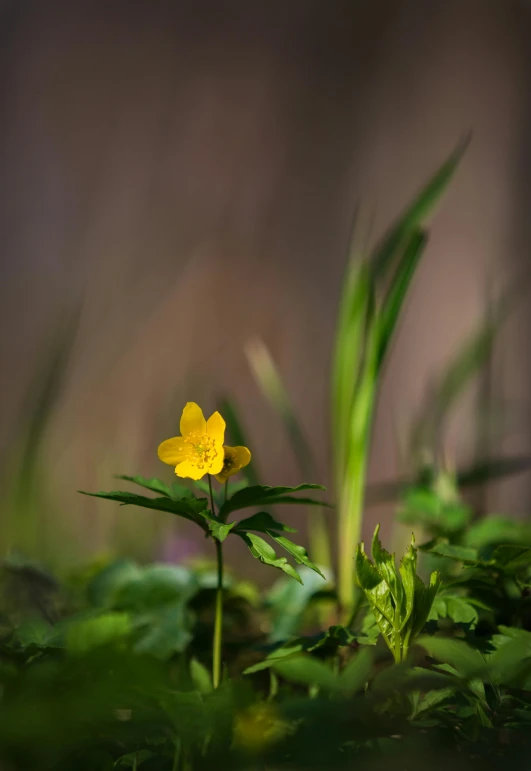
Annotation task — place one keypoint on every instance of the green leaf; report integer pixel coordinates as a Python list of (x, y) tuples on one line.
[(150, 484), (408, 574), (134, 759), (422, 602), (262, 551), (34, 631), (200, 677), (288, 601), (401, 281), (416, 214), (433, 699), (105, 629), (349, 346), (378, 594), (219, 530), (512, 558), (357, 672), (306, 670), (386, 567), (164, 631), (105, 586), (260, 495), (466, 660), (284, 652), (263, 522), (153, 587), (298, 552), (456, 608), (189, 508), (460, 553)]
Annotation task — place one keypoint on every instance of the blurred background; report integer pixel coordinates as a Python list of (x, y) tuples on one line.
[(179, 178)]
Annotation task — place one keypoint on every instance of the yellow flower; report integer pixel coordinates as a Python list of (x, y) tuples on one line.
[(235, 459), (199, 450)]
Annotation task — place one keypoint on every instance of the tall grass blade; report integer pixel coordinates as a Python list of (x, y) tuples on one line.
[(348, 356), (422, 206), (394, 300)]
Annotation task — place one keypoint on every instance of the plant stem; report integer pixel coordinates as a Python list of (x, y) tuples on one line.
[(218, 623), (218, 620)]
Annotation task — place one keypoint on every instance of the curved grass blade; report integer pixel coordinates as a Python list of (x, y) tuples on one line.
[(415, 215)]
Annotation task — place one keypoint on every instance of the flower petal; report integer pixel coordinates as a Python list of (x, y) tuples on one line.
[(216, 463), (235, 458), (192, 420), (189, 470), (216, 427), (241, 456), (173, 451)]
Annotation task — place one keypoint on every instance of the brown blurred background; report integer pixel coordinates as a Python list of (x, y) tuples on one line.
[(188, 171)]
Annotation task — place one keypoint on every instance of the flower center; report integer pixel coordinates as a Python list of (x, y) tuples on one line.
[(201, 450)]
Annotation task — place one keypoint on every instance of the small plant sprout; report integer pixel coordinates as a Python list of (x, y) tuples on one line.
[(398, 598)]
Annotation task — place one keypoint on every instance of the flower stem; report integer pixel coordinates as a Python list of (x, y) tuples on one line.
[(218, 619), (218, 623)]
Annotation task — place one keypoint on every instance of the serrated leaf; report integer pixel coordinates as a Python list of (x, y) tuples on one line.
[(386, 567), (458, 609), (260, 495), (299, 553), (219, 530), (262, 551), (378, 594), (189, 508), (156, 485), (263, 522), (422, 602)]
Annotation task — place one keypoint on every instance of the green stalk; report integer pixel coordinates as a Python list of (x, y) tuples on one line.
[(353, 483), (218, 621), (349, 531), (216, 666)]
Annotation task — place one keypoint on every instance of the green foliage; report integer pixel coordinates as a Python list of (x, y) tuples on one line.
[(400, 601), (374, 292), (261, 495)]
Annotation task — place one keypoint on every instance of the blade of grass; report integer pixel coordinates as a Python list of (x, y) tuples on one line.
[(422, 206), (394, 300), (348, 354), (351, 491)]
